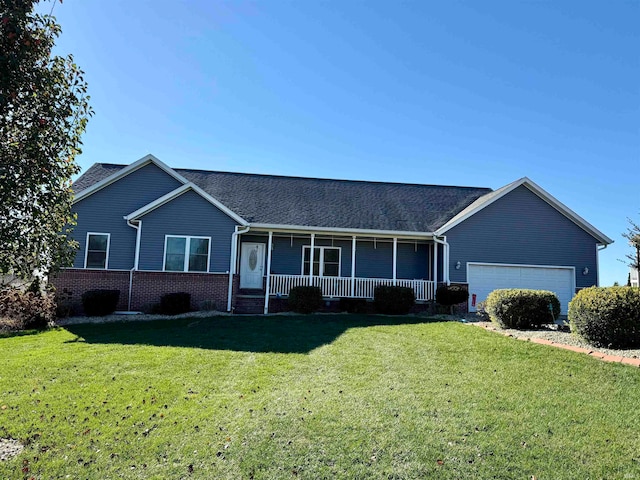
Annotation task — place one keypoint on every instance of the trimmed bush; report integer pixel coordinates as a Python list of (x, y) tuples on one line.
[(175, 303), (305, 299), (391, 300), (481, 311), (521, 308), (98, 303), (353, 305), (607, 317), (20, 310), (450, 295)]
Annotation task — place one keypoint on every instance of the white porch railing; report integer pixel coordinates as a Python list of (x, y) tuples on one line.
[(341, 286)]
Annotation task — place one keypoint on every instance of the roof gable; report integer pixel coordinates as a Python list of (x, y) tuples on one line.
[(177, 193), (486, 200), (106, 175)]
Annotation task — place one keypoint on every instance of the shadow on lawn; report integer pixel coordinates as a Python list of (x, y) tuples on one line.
[(280, 334)]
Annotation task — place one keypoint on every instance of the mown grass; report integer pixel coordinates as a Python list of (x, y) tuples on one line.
[(354, 397)]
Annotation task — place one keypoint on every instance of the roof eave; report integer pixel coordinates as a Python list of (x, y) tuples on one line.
[(337, 230)]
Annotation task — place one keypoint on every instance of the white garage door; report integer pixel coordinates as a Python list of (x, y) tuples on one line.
[(483, 278)]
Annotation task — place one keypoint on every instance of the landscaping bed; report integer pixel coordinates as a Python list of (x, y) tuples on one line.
[(551, 333)]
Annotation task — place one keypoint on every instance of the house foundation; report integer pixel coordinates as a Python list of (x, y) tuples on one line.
[(141, 290)]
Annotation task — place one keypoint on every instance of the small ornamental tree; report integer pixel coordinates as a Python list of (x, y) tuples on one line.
[(43, 112), (633, 236)]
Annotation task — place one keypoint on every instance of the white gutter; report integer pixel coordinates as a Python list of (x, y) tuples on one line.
[(346, 231), (136, 258), (233, 261)]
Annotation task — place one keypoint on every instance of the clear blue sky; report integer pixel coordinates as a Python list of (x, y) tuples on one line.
[(464, 93)]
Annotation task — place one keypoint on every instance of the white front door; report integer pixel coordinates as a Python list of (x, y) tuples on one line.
[(252, 265)]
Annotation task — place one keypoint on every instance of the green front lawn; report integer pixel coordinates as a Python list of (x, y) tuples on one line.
[(311, 397)]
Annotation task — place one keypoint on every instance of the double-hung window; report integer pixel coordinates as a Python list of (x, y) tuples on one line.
[(326, 261), (97, 250), (186, 254)]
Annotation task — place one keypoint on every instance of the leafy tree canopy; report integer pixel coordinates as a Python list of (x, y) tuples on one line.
[(44, 110)]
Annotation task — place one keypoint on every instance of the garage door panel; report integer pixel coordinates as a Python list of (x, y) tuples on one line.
[(483, 279)]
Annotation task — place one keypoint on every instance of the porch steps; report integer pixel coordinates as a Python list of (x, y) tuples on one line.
[(251, 292), (249, 304)]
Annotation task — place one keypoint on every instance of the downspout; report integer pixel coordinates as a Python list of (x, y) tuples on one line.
[(445, 259), (445, 268), (233, 261), (136, 258)]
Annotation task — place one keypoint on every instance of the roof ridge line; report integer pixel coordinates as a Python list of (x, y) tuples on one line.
[(346, 180)]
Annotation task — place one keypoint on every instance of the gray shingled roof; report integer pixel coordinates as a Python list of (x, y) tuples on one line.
[(323, 202)]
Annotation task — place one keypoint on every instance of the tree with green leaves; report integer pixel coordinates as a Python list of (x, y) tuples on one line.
[(44, 109)]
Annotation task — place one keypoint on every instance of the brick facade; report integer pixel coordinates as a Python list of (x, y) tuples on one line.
[(147, 287)]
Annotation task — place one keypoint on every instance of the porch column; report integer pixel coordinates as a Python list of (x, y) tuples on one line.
[(435, 264), (395, 258), (353, 266), (268, 286), (311, 256)]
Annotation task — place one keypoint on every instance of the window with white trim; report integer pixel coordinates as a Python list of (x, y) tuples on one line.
[(186, 254), (326, 261), (97, 250)]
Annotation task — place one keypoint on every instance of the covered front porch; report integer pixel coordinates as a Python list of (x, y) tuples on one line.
[(342, 264)]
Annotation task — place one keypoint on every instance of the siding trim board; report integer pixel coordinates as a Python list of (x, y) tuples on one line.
[(144, 161), (490, 198)]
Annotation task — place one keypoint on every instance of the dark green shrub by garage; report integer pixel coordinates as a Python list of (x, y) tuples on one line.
[(522, 308), (391, 300), (98, 303), (607, 317), (305, 299)]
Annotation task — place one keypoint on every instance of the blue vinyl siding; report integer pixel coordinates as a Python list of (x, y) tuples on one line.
[(413, 261), (374, 260), (103, 211), (521, 228), (189, 215)]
